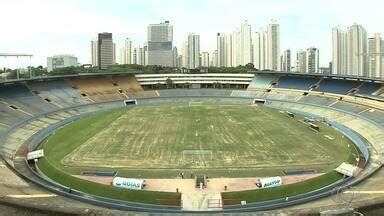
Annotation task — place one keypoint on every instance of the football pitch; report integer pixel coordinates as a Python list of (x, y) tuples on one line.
[(215, 139)]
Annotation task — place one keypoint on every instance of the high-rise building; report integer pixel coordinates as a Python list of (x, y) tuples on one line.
[(134, 56), (61, 61), (105, 50), (312, 60), (235, 48), (94, 54), (286, 61), (193, 51), (205, 59), (175, 57), (375, 56), (126, 52), (228, 50), (357, 64), (184, 54), (214, 59), (339, 51), (140, 56), (259, 41), (349, 51), (245, 44), (301, 61), (114, 53), (159, 47), (221, 52), (273, 47)]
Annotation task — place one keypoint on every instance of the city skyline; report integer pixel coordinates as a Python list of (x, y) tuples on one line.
[(300, 28)]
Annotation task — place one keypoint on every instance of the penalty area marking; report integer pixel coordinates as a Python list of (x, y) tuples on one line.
[(23, 196)]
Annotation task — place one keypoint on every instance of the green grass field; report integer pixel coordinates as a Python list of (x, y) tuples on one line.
[(156, 142)]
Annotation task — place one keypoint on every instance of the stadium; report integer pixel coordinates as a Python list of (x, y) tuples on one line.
[(193, 143)]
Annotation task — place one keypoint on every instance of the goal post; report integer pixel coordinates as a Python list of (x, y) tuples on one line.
[(195, 103), (197, 155)]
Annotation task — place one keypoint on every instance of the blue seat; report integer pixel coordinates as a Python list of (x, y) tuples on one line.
[(336, 86), (293, 82)]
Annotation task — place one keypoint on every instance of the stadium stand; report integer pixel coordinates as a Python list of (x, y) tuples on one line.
[(98, 88), (20, 97), (263, 81), (294, 82), (336, 86), (8, 116), (375, 115), (369, 88), (194, 92), (58, 92), (29, 99), (350, 107), (278, 95), (317, 99), (131, 87), (248, 94)]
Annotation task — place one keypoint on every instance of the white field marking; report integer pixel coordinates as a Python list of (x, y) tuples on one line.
[(364, 192), (5, 125), (22, 196), (363, 111)]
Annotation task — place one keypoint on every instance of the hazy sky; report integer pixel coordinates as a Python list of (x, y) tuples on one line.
[(48, 27)]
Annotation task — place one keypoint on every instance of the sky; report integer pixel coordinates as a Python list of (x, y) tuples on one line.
[(50, 27)]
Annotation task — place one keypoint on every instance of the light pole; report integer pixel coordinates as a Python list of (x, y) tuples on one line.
[(17, 55)]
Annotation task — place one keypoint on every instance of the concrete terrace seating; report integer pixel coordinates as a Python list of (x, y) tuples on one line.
[(194, 92), (8, 116), (248, 94), (350, 107), (369, 88), (277, 95), (97, 89), (336, 86), (375, 115), (262, 81), (320, 100), (20, 96), (294, 82), (58, 92), (131, 87)]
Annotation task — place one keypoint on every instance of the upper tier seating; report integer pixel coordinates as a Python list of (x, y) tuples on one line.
[(58, 92), (262, 81), (98, 89), (336, 86), (131, 87), (19, 96), (369, 88), (293, 82)]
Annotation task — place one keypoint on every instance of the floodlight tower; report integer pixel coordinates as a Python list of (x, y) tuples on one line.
[(18, 55)]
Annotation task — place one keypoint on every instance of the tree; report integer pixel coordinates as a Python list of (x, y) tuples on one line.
[(169, 82), (250, 66)]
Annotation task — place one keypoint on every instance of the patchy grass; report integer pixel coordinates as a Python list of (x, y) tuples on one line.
[(149, 141)]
